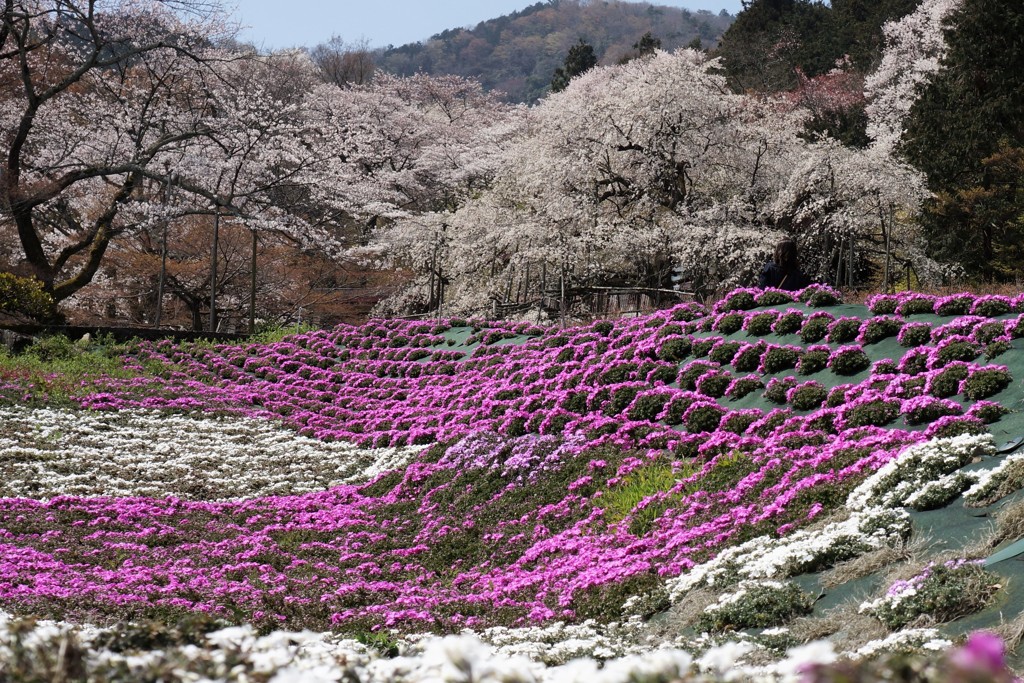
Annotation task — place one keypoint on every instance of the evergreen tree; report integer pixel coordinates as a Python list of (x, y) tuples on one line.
[(966, 132), (581, 58)]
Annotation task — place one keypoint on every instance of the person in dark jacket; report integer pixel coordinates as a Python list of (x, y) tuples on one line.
[(783, 271)]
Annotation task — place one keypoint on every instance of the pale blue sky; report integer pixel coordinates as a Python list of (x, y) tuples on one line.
[(289, 23)]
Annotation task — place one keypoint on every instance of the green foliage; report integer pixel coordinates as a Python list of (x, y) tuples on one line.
[(812, 361), (947, 383), (56, 369), (844, 330), (384, 642), (729, 324), (809, 396), (760, 324), (986, 382), (704, 418), (779, 358), (757, 604), (647, 407), (916, 334), (814, 330), (849, 362), (749, 359), (743, 386), (723, 352), (714, 384), (273, 334), (877, 329), (581, 58), (620, 500), (675, 349), (966, 132), (957, 350), (21, 296), (942, 593), (727, 471), (877, 413), (741, 300), (692, 372), (789, 323)]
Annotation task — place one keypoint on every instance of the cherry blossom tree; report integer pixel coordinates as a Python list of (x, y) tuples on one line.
[(914, 46), (96, 95), (631, 171)]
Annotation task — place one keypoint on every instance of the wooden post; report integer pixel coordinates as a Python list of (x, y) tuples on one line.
[(561, 304), (163, 257), (252, 287), (213, 269)]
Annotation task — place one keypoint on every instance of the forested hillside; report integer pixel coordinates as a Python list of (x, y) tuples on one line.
[(517, 53)]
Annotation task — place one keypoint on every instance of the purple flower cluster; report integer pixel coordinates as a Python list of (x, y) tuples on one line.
[(539, 429)]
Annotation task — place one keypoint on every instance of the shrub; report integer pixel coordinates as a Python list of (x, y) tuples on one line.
[(724, 351), (702, 347), (914, 362), (738, 421), (915, 334), (748, 358), (946, 382), (885, 366), (664, 374), (760, 324), (703, 417), (728, 323), (956, 304), (789, 322), (756, 604), (820, 295), (882, 304), (876, 412), (986, 333), (742, 386), (814, 359), (675, 349), (916, 304), (20, 296), (739, 300), (956, 348), (844, 330), (941, 593), (837, 395), (807, 396), (925, 409), (648, 405), (713, 384), (777, 389), (767, 425), (988, 411), (774, 297), (849, 360), (689, 375), (816, 327), (997, 348), (779, 358), (876, 329), (674, 410), (992, 306), (955, 425), (986, 382)]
